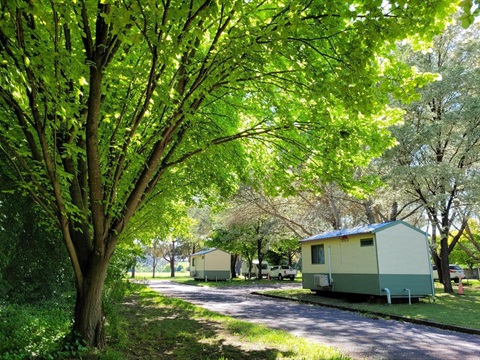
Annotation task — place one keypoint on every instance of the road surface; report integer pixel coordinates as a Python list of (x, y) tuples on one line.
[(354, 335)]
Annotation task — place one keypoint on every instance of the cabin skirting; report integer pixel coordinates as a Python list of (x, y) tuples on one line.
[(373, 284)]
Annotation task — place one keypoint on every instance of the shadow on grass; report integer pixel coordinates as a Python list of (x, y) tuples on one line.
[(161, 328)]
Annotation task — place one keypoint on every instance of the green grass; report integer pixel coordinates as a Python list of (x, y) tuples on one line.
[(151, 326), (449, 309)]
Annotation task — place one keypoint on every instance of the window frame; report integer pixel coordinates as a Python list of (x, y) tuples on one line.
[(367, 242), (319, 259)]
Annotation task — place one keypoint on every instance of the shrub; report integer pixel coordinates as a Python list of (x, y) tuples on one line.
[(28, 331)]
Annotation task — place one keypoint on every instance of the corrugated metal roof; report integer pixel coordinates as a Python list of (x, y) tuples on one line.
[(204, 252), (365, 229)]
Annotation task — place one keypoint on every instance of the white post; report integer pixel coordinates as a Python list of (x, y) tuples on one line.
[(389, 298), (409, 296)]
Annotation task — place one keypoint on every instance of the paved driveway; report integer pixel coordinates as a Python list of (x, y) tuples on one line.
[(358, 336)]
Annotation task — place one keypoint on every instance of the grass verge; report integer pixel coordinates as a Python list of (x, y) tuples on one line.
[(448, 309), (151, 326)]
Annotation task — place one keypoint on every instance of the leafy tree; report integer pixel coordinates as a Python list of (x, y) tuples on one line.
[(471, 9), (200, 230), (250, 224), (105, 104), (467, 251), (169, 253), (33, 267), (283, 250), (438, 154)]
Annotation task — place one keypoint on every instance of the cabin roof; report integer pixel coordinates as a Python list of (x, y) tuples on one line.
[(364, 229), (206, 251)]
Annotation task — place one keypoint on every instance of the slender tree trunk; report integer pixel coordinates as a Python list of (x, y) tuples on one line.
[(154, 266), (260, 260), (444, 259), (133, 269), (172, 266), (233, 262)]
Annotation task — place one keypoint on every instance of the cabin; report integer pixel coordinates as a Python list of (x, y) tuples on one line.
[(211, 264), (254, 270), (390, 259)]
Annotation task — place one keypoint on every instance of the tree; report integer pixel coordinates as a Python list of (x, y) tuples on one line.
[(33, 268), (438, 154), (234, 239), (471, 9), (243, 229), (467, 251), (105, 104), (169, 253)]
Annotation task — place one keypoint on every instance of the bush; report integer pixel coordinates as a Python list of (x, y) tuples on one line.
[(34, 264), (28, 331)]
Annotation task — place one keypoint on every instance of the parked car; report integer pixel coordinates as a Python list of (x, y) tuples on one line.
[(282, 271), (455, 272)]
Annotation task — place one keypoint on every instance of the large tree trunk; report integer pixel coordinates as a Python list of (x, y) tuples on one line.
[(89, 315)]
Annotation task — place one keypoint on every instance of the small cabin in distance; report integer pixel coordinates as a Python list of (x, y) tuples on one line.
[(210, 265), (253, 273), (387, 259)]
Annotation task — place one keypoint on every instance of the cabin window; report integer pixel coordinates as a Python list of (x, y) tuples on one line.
[(193, 262), (318, 254), (366, 242)]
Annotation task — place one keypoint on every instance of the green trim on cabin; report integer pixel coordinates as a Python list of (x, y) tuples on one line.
[(212, 275), (419, 285), (350, 283), (372, 284)]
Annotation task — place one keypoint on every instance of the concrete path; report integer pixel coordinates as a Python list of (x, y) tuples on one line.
[(355, 335)]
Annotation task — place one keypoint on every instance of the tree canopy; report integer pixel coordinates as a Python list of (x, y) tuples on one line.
[(106, 103), (438, 154)]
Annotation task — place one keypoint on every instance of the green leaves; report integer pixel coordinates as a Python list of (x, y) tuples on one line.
[(189, 99), (471, 9)]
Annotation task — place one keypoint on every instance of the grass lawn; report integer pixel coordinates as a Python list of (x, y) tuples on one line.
[(151, 326), (449, 309)]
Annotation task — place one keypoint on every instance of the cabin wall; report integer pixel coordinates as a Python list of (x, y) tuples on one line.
[(217, 261), (402, 250), (197, 266), (213, 265), (347, 256), (354, 267), (403, 261)]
